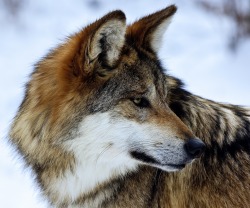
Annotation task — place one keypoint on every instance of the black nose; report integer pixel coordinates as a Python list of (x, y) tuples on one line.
[(195, 147)]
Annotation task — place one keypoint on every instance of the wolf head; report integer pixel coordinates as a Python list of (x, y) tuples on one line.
[(102, 97)]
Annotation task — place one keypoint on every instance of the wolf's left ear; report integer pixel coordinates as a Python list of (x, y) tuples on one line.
[(148, 31)]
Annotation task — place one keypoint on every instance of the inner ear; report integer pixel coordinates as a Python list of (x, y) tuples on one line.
[(157, 33), (107, 42), (99, 44)]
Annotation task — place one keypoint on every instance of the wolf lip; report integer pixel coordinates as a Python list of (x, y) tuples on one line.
[(181, 166)]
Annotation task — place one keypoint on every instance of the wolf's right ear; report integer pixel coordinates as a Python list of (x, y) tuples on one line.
[(101, 42)]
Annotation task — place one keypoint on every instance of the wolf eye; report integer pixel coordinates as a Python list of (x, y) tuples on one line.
[(141, 102)]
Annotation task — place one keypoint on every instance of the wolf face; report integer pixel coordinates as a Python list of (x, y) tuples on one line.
[(127, 111), (96, 108), (128, 116)]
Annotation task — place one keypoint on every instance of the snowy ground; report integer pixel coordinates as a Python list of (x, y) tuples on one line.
[(195, 50)]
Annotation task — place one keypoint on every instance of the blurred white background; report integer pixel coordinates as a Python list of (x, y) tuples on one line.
[(195, 50)]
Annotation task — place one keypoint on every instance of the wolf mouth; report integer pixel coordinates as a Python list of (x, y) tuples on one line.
[(181, 166), (150, 160)]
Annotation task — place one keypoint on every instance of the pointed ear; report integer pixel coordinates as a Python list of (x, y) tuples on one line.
[(101, 42), (148, 31)]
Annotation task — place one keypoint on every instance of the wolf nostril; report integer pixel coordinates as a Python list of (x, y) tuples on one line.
[(195, 147)]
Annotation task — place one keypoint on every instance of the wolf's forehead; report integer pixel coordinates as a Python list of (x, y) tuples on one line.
[(142, 62), (142, 73)]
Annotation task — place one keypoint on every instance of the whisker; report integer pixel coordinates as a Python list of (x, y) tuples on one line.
[(103, 151)]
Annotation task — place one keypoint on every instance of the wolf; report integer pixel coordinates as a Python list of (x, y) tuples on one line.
[(103, 125)]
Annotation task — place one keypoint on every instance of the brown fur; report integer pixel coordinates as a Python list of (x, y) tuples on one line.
[(64, 85)]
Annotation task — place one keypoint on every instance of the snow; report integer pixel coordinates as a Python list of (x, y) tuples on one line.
[(195, 50)]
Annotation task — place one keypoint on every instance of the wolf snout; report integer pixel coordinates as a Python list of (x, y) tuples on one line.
[(195, 147)]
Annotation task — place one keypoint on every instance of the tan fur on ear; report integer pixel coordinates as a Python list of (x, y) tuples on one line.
[(148, 31)]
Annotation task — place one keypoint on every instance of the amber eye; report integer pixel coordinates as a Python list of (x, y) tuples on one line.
[(141, 102)]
